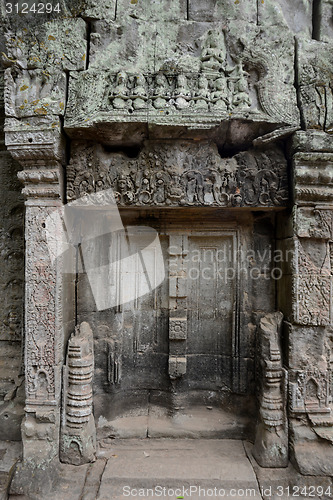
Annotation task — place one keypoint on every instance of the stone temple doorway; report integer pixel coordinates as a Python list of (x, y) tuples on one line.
[(179, 361)]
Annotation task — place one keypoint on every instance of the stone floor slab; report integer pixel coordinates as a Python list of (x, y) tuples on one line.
[(145, 467)]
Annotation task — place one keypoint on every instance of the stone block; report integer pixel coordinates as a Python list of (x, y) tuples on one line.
[(286, 296), (177, 287), (110, 48), (222, 10), (312, 302), (286, 256), (311, 141), (296, 17), (306, 346), (314, 223), (151, 10), (309, 393), (59, 44), (273, 482), (35, 93), (177, 366), (93, 9), (263, 290), (285, 225), (326, 21), (310, 455), (312, 178)]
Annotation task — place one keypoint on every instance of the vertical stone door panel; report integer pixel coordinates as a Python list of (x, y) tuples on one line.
[(212, 305)]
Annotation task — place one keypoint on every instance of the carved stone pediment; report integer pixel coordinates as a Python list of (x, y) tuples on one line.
[(225, 79), (180, 174)]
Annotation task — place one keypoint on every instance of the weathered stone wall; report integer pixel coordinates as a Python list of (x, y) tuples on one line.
[(240, 74), (11, 290)]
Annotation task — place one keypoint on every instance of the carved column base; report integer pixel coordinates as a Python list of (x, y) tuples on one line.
[(40, 431), (271, 447), (79, 448)]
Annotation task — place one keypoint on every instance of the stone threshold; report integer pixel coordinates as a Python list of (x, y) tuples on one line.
[(167, 468)]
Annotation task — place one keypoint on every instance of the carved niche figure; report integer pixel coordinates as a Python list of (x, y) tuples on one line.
[(213, 53), (160, 91), (182, 92), (241, 98), (193, 184), (202, 95), (271, 443), (120, 92), (139, 97), (219, 97)]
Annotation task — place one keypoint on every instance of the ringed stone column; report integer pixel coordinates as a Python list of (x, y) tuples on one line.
[(39, 149), (307, 242)]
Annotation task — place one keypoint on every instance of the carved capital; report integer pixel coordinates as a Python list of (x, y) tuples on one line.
[(39, 148), (313, 178), (35, 143)]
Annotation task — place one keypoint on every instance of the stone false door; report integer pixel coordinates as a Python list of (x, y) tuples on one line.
[(40, 151), (203, 302)]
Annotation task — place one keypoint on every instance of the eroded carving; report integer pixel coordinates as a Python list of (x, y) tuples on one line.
[(40, 348), (313, 282), (78, 434), (35, 92), (315, 85), (181, 175), (309, 391), (271, 444), (199, 92)]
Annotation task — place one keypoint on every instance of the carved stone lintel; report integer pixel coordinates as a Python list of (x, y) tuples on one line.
[(78, 434), (271, 443), (181, 174)]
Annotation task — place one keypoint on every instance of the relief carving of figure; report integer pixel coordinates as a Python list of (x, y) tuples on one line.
[(241, 98), (213, 53), (182, 92), (120, 93), (160, 91), (124, 194), (161, 182), (202, 95), (139, 93), (193, 183), (219, 97)]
